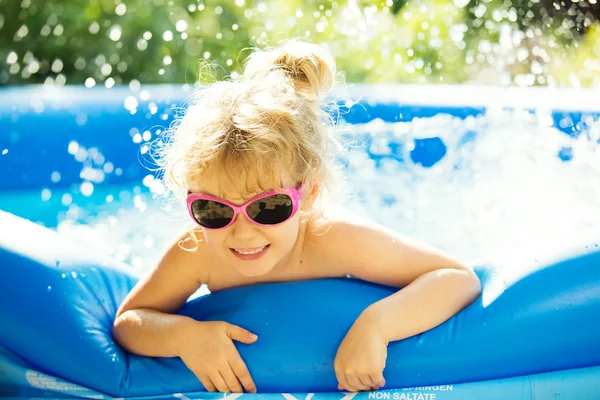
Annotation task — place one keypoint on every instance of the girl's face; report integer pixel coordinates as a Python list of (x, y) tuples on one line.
[(251, 249)]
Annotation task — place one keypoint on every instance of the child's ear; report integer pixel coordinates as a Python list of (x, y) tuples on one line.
[(312, 194)]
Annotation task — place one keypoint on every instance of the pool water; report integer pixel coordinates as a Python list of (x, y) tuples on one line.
[(508, 186)]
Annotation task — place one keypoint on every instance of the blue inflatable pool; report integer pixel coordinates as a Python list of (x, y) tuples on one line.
[(532, 334), (529, 336)]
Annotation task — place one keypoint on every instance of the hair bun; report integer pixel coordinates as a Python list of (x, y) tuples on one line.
[(311, 67)]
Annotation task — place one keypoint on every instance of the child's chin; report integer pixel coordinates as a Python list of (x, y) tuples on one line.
[(252, 268), (251, 271)]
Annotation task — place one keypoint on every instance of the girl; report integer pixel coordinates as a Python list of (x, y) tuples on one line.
[(250, 155)]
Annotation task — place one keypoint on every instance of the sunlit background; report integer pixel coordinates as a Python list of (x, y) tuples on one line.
[(504, 181), (113, 42)]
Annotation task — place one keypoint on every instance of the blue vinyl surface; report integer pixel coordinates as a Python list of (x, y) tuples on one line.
[(58, 301)]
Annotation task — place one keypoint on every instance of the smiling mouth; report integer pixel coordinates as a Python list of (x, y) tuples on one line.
[(250, 251)]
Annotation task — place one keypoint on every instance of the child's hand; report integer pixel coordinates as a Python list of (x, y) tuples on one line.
[(360, 359), (207, 349)]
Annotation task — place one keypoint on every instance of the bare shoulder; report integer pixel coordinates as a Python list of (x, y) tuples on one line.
[(325, 233), (328, 239), (179, 272), (349, 244)]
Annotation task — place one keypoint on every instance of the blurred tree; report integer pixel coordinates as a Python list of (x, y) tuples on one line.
[(112, 42), (147, 40)]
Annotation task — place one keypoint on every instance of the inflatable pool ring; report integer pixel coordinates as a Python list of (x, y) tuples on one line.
[(528, 336)]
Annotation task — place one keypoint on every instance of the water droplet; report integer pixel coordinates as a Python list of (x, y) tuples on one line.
[(86, 188), (64, 275), (115, 33), (460, 3), (181, 25), (55, 177), (66, 200), (57, 262), (121, 9), (49, 289), (130, 103), (106, 69), (46, 194), (557, 395), (74, 274)]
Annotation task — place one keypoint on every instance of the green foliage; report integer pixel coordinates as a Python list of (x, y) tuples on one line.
[(422, 41)]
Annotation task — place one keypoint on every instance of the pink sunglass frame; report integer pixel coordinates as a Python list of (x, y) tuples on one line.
[(293, 193)]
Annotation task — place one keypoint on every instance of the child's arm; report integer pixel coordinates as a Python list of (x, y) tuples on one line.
[(145, 324), (435, 287)]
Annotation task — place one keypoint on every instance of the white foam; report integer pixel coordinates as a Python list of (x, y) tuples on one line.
[(504, 196)]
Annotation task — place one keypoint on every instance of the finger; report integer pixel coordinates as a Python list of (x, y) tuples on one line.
[(342, 382), (378, 379), (355, 384), (207, 383), (231, 380), (205, 380), (365, 380), (241, 371), (241, 334), (219, 382)]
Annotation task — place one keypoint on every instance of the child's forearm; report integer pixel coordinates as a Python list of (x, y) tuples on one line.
[(424, 304), (149, 332)]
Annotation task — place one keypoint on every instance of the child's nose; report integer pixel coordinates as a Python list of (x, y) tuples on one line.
[(243, 227)]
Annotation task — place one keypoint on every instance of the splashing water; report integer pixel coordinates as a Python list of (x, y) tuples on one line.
[(498, 197), (501, 191)]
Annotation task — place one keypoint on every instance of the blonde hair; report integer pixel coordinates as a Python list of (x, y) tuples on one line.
[(270, 119)]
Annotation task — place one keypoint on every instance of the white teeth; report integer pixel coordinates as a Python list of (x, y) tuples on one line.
[(246, 252)]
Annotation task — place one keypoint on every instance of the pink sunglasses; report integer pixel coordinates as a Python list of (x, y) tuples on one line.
[(266, 209)]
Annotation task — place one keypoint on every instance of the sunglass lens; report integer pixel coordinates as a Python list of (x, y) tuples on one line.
[(271, 210), (212, 214)]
